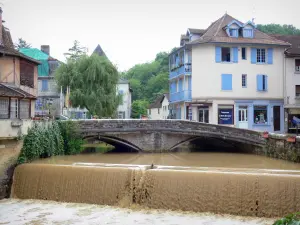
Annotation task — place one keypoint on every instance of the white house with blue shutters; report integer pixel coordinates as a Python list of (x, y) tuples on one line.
[(231, 74)]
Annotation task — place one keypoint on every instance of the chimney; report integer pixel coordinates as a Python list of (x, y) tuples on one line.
[(45, 49), (1, 34)]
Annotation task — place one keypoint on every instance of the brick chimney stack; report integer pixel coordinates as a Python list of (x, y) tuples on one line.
[(1, 35), (45, 49)]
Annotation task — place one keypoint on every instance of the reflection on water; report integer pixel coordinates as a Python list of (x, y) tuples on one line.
[(196, 159)]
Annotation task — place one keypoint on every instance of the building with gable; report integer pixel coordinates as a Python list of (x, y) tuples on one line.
[(230, 74)]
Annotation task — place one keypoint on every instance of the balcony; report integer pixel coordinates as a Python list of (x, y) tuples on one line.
[(181, 70), (181, 96)]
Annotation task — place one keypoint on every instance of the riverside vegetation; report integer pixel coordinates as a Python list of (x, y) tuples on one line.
[(46, 139)]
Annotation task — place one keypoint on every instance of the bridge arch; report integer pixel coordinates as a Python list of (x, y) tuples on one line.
[(114, 141), (164, 135)]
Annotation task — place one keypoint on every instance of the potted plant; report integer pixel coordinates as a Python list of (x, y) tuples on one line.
[(291, 138), (265, 134)]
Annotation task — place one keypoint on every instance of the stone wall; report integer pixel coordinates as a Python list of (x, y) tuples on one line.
[(163, 135), (277, 146)]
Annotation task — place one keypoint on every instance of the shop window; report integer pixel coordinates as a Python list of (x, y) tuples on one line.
[(260, 114), (225, 114)]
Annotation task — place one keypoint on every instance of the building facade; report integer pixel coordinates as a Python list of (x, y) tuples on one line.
[(124, 109), (48, 102), (230, 74), (18, 84), (291, 80), (159, 109)]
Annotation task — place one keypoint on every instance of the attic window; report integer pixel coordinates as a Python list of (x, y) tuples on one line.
[(233, 33), (247, 33)]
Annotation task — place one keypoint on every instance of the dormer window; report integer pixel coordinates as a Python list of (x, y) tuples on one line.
[(247, 33), (233, 32)]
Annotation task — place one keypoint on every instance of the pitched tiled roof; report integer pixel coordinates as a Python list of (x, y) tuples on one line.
[(294, 40), (196, 31), (158, 102), (7, 47), (13, 91), (216, 34)]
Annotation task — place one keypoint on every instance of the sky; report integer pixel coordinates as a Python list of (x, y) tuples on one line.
[(130, 31)]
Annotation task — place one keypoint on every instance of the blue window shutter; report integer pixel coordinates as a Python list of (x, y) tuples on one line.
[(218, 54), (235, 54), (266, 82), (180, 85), (259, 81), (253, 55), (270, 55), (226, 82), (190, 83)]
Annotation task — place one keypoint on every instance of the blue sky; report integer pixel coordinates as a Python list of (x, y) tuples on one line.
[(130, 31)]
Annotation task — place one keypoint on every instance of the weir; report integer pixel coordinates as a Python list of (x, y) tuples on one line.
[(248, 192)]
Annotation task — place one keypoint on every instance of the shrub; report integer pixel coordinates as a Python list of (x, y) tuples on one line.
[(71, 137), (292, 219)]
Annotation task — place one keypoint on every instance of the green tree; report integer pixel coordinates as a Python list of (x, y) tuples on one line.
[(278, 29), (93, 84), (148, 80), (22, 44), (139, 107), (76, 51)]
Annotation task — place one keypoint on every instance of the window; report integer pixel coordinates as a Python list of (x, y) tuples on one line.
[(233, 32), (244, 80), (226, 54), (4, 102), (121, 92), (121, 115), (297, 87), (158, 110), (261, 55), (45, 86), (260, 114), (262, 82), (26, 74), (244, 53), (297, 65), (149, 111), (226, 82), (24, 109), (225, 114), (247, 33), (14, 108)]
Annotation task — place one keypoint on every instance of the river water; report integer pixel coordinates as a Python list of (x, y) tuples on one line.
[(195, 159), (63, 183)]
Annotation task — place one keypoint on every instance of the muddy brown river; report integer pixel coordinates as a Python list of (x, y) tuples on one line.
[(196, 159)]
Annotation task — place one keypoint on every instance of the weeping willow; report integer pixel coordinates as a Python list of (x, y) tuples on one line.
[(93, 82)]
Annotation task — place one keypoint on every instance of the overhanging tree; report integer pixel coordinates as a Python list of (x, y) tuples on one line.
[(22, 44), (93, 84)]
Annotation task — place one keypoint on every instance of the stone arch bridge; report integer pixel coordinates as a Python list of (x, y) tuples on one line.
[(162, 135)]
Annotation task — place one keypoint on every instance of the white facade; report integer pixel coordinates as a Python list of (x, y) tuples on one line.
[(161, 112), (292, 80), (236, 77), (206, 82), (124, 110)]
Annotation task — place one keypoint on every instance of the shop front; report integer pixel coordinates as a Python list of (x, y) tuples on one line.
[(290, 113), (262, 115)]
